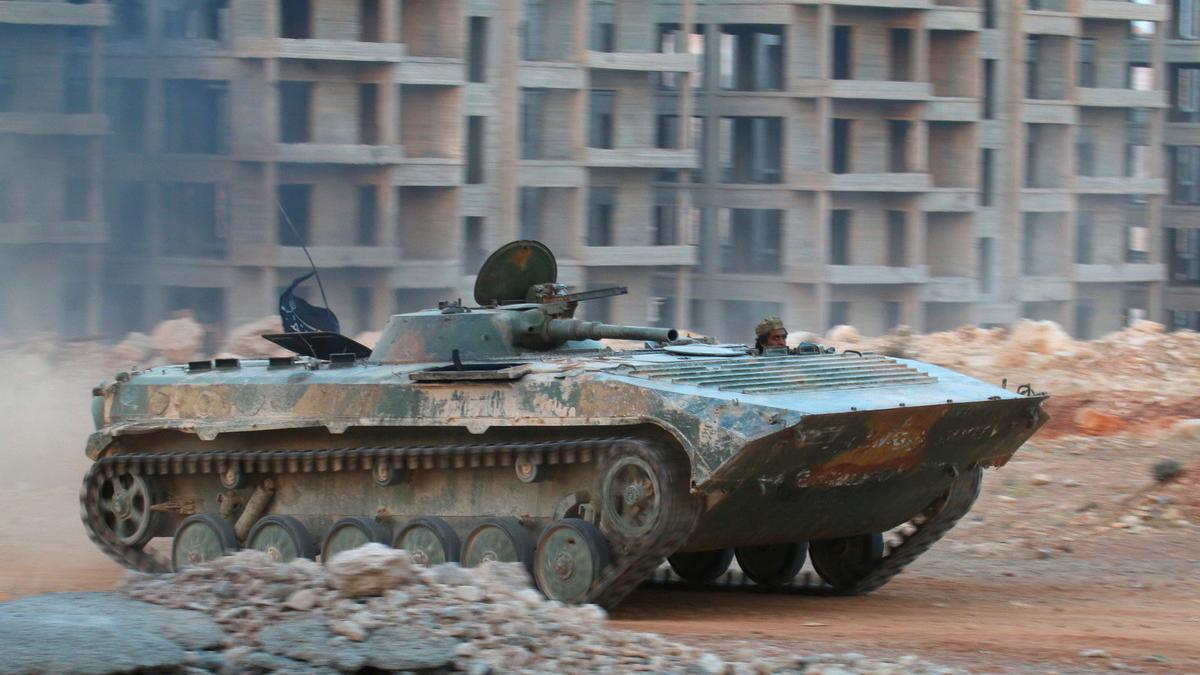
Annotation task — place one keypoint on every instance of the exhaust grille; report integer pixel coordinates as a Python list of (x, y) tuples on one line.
[(780, 374)]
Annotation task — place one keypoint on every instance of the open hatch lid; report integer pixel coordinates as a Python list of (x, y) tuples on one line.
[(507, 275), (320, 344)]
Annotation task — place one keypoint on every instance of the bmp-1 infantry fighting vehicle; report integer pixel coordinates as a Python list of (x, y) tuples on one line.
[(508, 431)]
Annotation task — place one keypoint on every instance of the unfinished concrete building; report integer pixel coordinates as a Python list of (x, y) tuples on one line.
[(1181, 215), (927, 162), (51, 129)]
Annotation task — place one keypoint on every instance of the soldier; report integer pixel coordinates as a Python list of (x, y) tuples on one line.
[(770, 333)]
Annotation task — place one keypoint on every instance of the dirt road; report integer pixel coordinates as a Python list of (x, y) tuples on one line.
[(973, 616)]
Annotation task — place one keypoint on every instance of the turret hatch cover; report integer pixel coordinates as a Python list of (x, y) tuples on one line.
[(507, 274)]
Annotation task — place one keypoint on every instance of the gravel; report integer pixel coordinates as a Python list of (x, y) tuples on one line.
[(372, 609)]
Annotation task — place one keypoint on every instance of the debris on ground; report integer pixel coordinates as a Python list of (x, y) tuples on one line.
[(373, 608)]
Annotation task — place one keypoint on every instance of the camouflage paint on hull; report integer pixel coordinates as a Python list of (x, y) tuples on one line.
[(769, 467)]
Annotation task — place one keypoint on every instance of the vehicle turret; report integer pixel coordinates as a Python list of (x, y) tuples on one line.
[(521, 307)]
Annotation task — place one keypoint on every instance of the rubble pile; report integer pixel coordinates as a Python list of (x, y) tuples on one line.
[(1138, 378), (372, 608)]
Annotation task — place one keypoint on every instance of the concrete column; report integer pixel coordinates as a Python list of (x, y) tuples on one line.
[(683, 274), (918, 145), (579, 30), (389, 211), (389, 26), (824, 26), (270, 179), (506, 123), (389, 106), (920, 53)]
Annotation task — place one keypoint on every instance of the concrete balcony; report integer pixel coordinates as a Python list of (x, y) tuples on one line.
[(875, 4), (640, 158), (1044, 289), (1181, 216), (1120, 98), (952, 109), (1049, 23), (1123, 11), (1119, 185), (1045, 200), (1181, 133), (323, 153), (428, 172), (879, 182), (950, 289), (274, 255), (1124, 273), (881, 90), (53, 124), (558, 173), (425, 273), (1048, 111), (640, 256), (431, 70), (643, 61), (59, 232), (1182, 51), (942, 17), (1182, 297), (46, 13), (950, 199), (851, 275), (318, 50), (542, 74)]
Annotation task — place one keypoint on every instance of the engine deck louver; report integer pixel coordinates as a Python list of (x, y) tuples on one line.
[(781, 374)]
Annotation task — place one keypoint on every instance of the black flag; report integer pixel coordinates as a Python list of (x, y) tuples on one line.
[(301, 317)]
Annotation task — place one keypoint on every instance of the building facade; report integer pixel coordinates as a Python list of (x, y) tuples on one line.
[(52, 128), (925, 162)]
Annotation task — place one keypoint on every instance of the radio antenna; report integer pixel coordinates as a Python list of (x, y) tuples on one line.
[(300, 240)]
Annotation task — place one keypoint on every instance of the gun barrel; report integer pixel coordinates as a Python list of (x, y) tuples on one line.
[(577, 329)]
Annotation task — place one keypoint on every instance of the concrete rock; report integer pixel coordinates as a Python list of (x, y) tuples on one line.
[(302, 600), (246, 340), (370, 570), (178, 339), (135, 348), (42, 634), (843, 333)]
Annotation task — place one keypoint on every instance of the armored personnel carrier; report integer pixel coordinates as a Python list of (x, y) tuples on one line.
[(508, 431)]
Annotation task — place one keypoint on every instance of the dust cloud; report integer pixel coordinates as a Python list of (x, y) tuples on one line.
[(45, 419)]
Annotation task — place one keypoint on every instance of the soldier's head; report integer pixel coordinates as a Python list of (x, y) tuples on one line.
[(770, 333)]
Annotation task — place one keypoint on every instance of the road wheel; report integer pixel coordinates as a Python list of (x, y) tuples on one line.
[(842, 562), (701, 567), (773, 565), (283, 538), (429, 541), (500, 540), (350, 533), (201, 538), (571, 555)]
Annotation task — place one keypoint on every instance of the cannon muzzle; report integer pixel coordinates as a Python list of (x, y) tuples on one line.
[(576, 329)]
